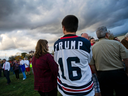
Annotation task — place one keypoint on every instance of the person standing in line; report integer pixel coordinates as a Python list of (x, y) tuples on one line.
[(16, 68), (0, 68), (125, 41), (92, 41), (45, 70), (11, 66), (2, 63), (94, 76), (85, 35), (107, 60), (6, 67), (30, 62), (22, 66), (20, 71), (73, 55), (116, 38), (27, 67)]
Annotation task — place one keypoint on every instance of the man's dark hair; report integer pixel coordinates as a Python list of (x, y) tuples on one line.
[(70, 22), (91, 38), (4, 59)]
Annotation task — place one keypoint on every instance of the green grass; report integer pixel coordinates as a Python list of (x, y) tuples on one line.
[(18, 87)]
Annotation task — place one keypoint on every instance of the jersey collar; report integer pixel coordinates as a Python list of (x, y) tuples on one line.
[(69, 36)]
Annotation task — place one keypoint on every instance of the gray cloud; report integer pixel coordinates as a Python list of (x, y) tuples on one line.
[(107, 13), (23, 22)]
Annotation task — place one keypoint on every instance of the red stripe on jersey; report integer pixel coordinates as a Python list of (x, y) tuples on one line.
[(78, 90), (58, 80), (68, 37), (66, 89)]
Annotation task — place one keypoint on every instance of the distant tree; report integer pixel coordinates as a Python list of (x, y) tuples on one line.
[(28, 56), (31, 53), (17, 57), (23, 54), (11, 58)]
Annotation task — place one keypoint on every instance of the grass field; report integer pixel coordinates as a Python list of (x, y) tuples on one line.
[(18, 87)]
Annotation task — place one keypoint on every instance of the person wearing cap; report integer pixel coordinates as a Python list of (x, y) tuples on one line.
[(107, 60), (6, 67), (125, 41), (27, 67)]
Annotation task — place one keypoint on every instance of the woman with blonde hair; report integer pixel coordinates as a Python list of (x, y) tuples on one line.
[(45, 70)]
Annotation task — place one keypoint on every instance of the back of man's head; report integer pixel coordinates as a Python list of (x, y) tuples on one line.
[(70, 22), (85, 35), (4, 60), (101, 32)]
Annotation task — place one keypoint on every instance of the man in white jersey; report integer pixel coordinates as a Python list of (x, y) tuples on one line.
[(73, 55)]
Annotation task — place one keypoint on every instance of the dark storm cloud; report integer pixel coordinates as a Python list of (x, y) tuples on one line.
[(36, 19), (109, 13), (91, 13), (15, 14)]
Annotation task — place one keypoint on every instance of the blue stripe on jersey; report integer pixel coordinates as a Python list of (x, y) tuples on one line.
[(75, 87), (75, 94), (79, 43)]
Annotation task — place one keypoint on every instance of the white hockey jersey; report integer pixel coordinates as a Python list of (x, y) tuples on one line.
[(73, 55)]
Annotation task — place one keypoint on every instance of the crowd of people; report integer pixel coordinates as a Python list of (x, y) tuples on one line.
[(80, 66), (16, 66)]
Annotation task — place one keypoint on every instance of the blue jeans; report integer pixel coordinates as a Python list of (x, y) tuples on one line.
[(24, 75)]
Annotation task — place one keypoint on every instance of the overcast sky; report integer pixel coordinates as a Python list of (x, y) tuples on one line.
[(24, 22)]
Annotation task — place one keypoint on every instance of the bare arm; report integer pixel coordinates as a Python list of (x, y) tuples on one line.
[(93, 67)]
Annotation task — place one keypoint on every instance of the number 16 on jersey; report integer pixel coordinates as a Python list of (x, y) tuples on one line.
[(70, 68)]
